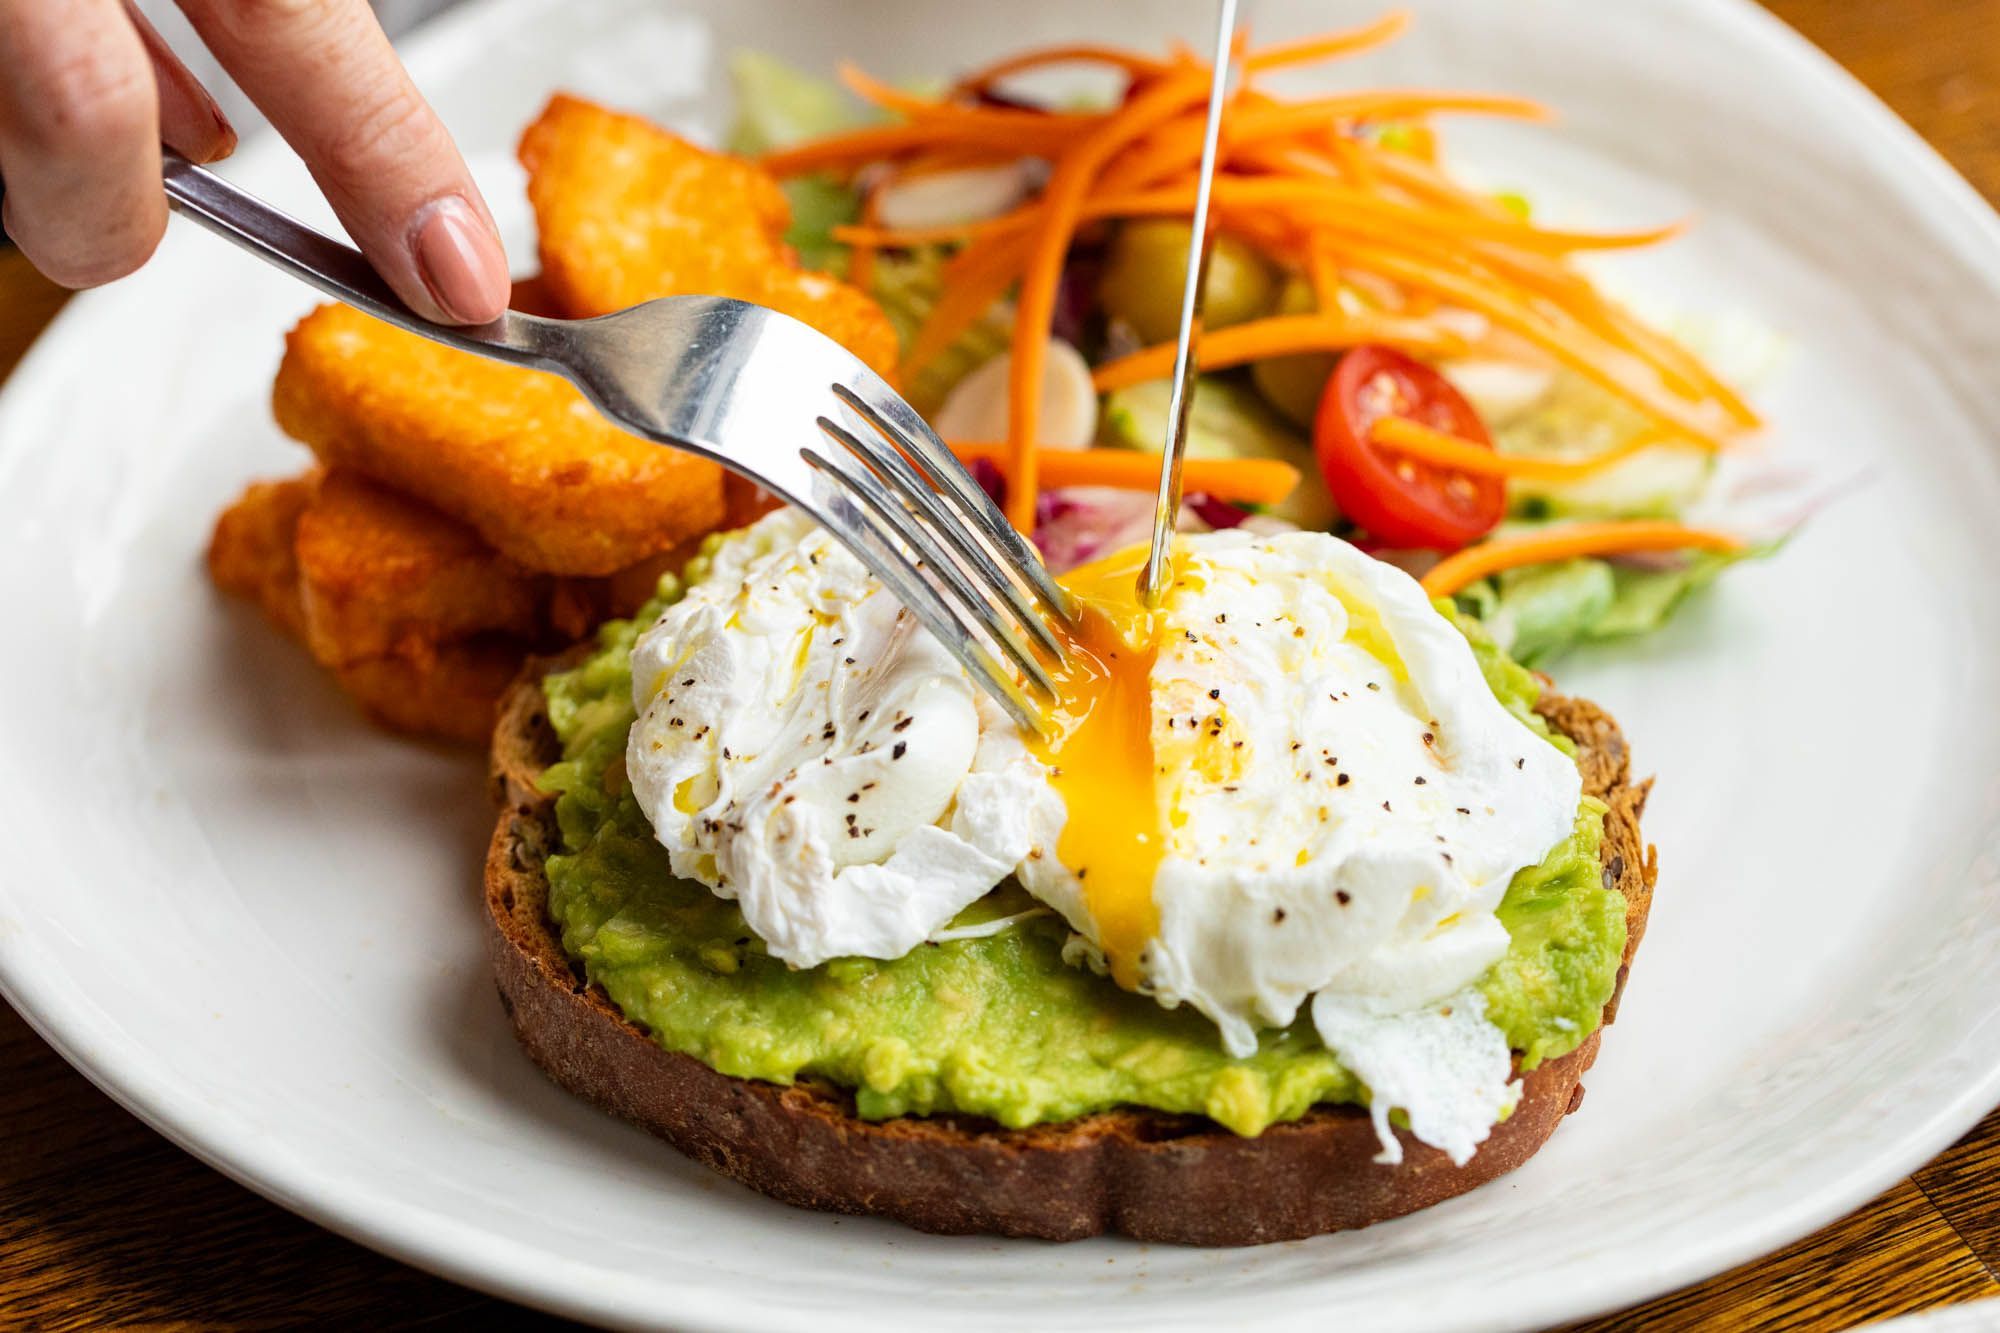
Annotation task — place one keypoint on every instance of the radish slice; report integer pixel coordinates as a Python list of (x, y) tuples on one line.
[(945, 198), (1499, 390), (977, 408)]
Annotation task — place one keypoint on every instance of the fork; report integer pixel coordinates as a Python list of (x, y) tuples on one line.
[(736, 383)]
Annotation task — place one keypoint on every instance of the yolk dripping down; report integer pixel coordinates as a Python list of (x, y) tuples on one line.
[(1100, 757)]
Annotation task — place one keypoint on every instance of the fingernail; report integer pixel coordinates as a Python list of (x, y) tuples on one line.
[(460, 261), (225, 133)]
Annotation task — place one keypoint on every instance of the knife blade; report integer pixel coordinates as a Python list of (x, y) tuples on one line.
[(1158, 571)]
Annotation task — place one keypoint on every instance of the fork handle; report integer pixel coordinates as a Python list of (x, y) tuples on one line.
[(339, 270)]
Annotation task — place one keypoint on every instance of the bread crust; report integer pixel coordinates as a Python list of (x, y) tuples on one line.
[(1146, 1174)]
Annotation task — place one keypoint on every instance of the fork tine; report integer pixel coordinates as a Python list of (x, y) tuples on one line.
[(911, 434), (912, 532), (909, 486), (845, 517)]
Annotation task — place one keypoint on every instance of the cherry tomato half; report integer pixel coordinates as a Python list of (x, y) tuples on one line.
[(1400, 501)]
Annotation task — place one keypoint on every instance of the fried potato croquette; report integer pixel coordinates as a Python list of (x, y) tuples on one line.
[(450, 693), (444, 691), (380, 573), (517, 455), (421, 622), (251, 554), (628, 212)]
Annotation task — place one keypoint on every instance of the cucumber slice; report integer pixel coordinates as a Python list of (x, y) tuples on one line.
[(1227, 421), (1656, 482), (1578, 419)]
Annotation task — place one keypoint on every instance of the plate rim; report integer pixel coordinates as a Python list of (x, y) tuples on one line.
[(57, 1010)]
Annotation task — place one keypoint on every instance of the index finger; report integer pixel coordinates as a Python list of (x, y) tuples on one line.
[(325, 74)]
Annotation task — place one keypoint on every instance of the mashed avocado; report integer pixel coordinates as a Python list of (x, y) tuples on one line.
[(998, 1026)]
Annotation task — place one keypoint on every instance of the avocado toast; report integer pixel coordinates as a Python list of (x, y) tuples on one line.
[(1279, 1172)]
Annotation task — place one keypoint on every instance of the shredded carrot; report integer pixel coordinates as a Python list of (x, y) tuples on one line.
[(939, 160), (876, 143), (1301, 160), (1035, 306), (1319, 204), (1567, 543), (1286, 120), (1281, 335), (1662, 349), (861, 255), (1313, 49), (1177, 146), (917, 108), (1352, 164), (1516, 312), (976, 278), (1679, 368), (1427, 181), (1415, 440), (1421, 142), (889, 98), (1324, 204), (1270, 233), (1278, 56), (1170, 153), (1418, 305), (1325, 272), (942, 233), (1237, 480)]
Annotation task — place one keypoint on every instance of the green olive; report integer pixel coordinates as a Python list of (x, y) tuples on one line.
[(1293, 384), (1147, 267)]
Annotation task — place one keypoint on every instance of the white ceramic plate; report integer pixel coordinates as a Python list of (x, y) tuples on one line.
[(253, 919)]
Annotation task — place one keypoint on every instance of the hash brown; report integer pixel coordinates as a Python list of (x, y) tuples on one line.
[(516, 454), (381, 573), (251, 553), (628, 212)]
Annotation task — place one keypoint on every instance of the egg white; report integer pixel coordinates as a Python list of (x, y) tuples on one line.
[(803, 747)]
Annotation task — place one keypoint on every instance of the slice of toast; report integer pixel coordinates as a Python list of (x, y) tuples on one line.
[(627, 212), (1146, 1174)]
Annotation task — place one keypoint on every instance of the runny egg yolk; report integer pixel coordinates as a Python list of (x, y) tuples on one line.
[(1100, 757)]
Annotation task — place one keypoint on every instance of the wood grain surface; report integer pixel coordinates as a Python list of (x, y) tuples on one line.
[(105, 1224)]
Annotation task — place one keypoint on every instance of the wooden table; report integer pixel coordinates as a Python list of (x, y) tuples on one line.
[(102, 1222)]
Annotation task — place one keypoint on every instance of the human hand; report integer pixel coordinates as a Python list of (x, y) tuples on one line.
[(90, 92)]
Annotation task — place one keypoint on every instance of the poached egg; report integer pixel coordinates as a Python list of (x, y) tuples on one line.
[(1289, 784), (804, 747)]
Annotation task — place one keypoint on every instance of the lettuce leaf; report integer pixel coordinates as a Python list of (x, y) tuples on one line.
[(907, 284), (1538, 612), (777, 106)]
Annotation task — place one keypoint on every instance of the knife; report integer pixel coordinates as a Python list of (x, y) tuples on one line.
[(1158, 572)]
